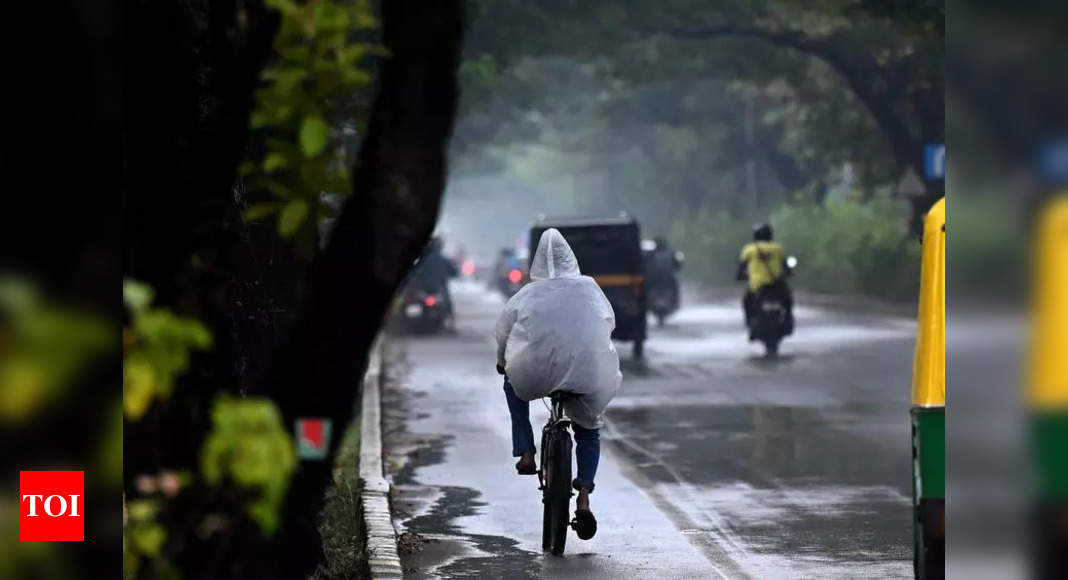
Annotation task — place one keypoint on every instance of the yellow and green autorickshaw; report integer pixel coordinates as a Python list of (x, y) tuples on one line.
[(1047, 394), (929, 404)]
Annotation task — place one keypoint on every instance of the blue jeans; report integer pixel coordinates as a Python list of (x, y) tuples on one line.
[(587, 441)]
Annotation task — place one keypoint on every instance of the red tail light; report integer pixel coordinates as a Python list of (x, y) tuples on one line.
[(514, 276), (430, 300), (468, 268)]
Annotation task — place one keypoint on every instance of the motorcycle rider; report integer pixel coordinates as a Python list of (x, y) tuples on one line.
[(763, 264), (506, 262), (555, 335), (434, 270), (661, 266)]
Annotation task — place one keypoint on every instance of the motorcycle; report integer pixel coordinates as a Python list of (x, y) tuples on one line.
[(662, 296), (663, 301), (421, 311), (771, 323), (511, 282)]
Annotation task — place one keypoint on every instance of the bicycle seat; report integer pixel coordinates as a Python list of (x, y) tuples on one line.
[(561, 396)]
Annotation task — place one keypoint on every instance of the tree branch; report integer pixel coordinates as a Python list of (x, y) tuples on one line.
[(819, 47), (869, 81)]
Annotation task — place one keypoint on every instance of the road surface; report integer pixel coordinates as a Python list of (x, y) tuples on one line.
[(716, 462)]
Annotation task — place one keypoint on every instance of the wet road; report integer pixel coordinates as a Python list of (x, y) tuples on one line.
[(717, 463)]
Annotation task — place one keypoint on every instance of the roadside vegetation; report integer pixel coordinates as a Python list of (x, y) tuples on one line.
[(854, 246), (341, 521), (844, 246)]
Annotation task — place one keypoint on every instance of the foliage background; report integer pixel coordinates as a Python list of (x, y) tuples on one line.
[(701, 119)]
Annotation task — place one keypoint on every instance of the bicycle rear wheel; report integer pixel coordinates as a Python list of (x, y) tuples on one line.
[(557, 490), (543, 476)]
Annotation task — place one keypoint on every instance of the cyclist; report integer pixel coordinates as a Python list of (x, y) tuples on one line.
[(555, 335), (763, 264)]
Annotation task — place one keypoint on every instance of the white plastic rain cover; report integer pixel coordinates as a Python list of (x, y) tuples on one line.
[(555, 335)]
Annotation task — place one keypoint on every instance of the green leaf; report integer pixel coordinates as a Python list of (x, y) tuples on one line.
[(293, 214), (313, 135), (139, 382), (287, 7), (136, 295), (286, 75), (279, 189), (149, 539), (274, 161), (250, 447), (198, 335), (365, 17), (142, 509), (356, 77), (258, 211), (16, 295), (258, 120)]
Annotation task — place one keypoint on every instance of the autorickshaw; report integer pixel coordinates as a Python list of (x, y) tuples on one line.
[(1047, 391), (608, 250), (929, 404)]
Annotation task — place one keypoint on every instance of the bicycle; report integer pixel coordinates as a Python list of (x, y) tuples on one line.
[(554, 475)]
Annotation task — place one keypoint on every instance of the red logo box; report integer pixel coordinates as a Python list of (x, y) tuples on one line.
[(51, 506)]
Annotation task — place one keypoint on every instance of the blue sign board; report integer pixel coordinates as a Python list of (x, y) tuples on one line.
[(1053, 161), (934, 160)]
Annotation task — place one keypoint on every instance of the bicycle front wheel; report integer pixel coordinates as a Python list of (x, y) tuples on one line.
[(557, 492)]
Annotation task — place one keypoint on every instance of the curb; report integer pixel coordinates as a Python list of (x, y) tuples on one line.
[(381, 545)]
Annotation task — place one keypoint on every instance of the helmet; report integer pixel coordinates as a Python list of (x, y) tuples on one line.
[(762, 232)]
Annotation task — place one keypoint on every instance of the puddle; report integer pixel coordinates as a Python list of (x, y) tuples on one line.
[(430, 513), (818, 492)]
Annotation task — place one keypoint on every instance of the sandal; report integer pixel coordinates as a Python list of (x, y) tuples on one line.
[(532, 470), (585, 524)]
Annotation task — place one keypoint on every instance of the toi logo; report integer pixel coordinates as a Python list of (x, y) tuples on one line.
[(51, 506)]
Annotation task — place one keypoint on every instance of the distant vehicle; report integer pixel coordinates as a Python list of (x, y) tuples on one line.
[(424, 305), (661, 283), (467, 268), (422, 311), (771, 323), (511, 272), (609, 251)]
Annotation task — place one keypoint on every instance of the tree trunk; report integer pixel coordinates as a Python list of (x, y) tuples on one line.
[(192, 71), (398, 184)]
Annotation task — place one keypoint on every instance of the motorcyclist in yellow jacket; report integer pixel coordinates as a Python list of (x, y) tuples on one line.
[(763, 264)]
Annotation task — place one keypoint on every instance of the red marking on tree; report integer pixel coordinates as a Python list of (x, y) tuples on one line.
[(312, 432)]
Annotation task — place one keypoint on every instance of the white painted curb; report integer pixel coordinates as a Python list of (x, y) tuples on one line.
[(381, 547)]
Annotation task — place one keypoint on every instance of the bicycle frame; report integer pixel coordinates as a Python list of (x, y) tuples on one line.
[(557, 421)]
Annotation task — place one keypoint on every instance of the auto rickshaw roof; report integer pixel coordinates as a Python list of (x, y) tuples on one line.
[(571, 222), (602, 245)]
